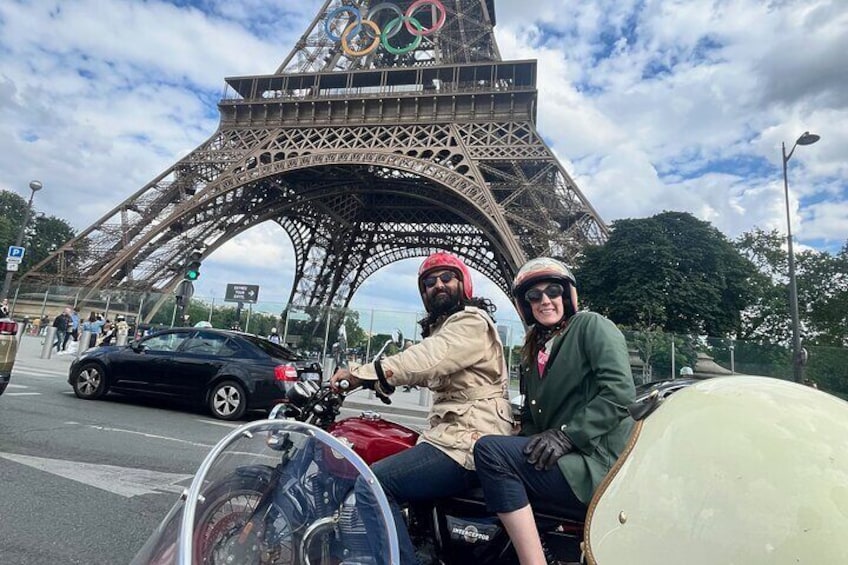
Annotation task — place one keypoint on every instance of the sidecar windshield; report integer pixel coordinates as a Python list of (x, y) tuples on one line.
[(277, 492)]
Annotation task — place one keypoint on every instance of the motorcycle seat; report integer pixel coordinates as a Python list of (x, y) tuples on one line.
[(542, 509)]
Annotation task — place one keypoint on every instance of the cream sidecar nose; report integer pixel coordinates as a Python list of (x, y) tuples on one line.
[(732, 470)]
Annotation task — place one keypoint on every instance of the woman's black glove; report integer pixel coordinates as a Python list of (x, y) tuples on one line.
[(544, 449)]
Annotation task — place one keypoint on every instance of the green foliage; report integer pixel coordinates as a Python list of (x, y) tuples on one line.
[(44, 234), (671, 272), (828, 368), (822, 280), (654, 348)]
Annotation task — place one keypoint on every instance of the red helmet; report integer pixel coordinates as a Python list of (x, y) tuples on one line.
[(439, 261)]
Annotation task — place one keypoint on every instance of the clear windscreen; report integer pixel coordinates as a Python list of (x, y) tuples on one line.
[(277, 492)]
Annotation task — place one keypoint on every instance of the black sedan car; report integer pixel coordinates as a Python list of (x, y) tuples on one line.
[(228, 372)]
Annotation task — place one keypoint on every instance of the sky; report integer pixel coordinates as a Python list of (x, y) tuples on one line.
[(650, 105)]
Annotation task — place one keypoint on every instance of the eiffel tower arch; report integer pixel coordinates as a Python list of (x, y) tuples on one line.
[(392, 130)]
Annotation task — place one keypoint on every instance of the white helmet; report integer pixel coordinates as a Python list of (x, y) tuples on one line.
[(273, 330)]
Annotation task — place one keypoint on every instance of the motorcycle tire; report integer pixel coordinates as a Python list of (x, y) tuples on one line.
[(223, 534)]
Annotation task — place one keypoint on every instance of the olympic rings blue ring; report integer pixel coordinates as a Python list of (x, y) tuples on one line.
[(357, 15)]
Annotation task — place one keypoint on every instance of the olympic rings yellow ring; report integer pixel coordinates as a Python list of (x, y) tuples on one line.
[(348, 32)]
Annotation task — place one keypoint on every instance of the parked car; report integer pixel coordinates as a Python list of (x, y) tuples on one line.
[(8, 350), (228, 372)]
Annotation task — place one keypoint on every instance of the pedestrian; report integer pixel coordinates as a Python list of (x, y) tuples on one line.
[(122, 328), (109, 333), (274, 337), (75, 323), (575, 375), (93, 326), (4, 308), (461, 359), (62, 323)]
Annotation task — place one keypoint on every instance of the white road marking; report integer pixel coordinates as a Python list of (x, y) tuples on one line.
[(217, 423), (151, 436), (12, 385), (124, 481), (23, 394)]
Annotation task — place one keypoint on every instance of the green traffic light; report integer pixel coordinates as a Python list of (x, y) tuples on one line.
[(192, 275)]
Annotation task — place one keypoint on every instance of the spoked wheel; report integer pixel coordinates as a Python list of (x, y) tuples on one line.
[(227, 401), (225, 533), (90, 383)]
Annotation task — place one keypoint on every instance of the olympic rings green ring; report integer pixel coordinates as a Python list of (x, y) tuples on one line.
[(399, 22)]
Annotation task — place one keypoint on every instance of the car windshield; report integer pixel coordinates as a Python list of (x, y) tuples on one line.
[(272, 349)]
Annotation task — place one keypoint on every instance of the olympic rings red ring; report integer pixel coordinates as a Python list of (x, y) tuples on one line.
[(436, 26), (355, 23)]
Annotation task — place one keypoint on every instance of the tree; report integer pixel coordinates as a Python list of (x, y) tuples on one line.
[(43, 236), (822, 280), (670, 271)]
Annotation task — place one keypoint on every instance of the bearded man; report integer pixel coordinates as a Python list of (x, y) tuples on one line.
[(461, 359)]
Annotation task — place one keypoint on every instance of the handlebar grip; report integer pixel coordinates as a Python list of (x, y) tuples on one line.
[(344, 384)]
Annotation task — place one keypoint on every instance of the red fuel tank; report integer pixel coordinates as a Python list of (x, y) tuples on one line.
[(374, 438)]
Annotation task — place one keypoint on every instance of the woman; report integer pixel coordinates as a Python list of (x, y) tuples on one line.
[(93, 328), (576, 379)]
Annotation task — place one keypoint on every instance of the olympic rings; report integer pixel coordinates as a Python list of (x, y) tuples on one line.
[(356, 26)]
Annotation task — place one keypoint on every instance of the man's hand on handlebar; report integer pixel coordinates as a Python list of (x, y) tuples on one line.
[(344, 375)]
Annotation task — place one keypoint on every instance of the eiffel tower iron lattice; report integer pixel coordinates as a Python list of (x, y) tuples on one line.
[(426, 142)]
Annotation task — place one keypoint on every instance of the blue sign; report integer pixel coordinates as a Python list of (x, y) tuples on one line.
[(15, 252)]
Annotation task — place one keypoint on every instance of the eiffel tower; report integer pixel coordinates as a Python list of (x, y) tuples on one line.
[(391, 130)]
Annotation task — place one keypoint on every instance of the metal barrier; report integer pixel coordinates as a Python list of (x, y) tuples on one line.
[(84, 342), (47, 346), (22, 327)]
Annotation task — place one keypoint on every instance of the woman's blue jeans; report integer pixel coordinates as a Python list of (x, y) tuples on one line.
[(419, 474)]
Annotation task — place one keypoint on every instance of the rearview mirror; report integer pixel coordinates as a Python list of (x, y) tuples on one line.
[(136, 346), (397, 337)]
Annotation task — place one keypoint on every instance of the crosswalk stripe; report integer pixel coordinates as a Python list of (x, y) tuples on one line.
[(12, 385), (23, 371)]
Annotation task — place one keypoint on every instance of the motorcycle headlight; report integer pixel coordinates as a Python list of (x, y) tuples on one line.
[(299, 393)]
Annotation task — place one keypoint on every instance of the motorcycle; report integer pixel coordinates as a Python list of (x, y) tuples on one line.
[(696, 482), (280, 491)]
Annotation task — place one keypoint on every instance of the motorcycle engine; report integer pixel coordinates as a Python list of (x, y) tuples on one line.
[(351, 529)]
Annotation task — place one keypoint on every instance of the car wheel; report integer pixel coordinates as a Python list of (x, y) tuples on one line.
[(90, 382), (227, 400)]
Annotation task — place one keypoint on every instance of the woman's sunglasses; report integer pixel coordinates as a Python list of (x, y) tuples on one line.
[(551, 291), (446, 277)]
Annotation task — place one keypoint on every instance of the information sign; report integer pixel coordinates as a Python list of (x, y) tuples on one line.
[(242, 293), (15, 255)]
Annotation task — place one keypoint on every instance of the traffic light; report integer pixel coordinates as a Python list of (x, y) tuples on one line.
[(192, 266)]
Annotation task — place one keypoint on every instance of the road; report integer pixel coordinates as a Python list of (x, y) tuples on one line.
[(86, 482)]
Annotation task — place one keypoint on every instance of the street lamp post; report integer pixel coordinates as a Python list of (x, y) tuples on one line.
[(798, 360), (34, 186)]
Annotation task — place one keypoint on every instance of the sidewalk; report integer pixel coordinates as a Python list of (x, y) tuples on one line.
[(29, 354)]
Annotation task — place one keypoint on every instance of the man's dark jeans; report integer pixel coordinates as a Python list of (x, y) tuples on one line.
[(61, 337), (419, 474)]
